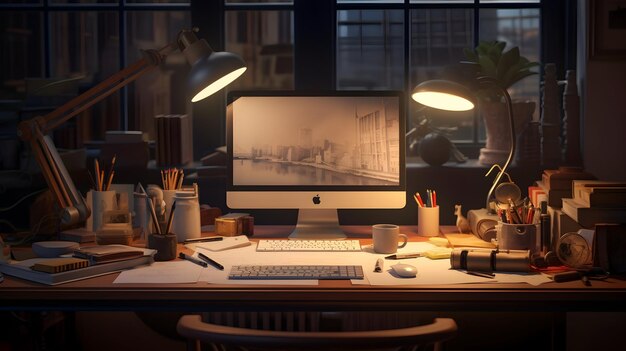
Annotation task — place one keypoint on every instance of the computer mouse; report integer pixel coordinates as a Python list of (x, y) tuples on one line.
[(404, 270)]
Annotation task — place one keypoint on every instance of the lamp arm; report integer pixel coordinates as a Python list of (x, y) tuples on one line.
[(34, 131), (509, 105)]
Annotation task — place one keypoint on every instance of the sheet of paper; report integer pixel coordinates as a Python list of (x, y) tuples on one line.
[(226, 243), (247, 255), (431, 272), (174, 272)]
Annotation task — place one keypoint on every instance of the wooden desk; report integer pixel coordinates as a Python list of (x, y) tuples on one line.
[(100, 293)]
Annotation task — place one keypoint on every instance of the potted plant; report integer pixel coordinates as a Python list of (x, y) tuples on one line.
[(505, 68)]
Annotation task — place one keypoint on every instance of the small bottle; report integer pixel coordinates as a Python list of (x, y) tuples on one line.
[(186, 219)]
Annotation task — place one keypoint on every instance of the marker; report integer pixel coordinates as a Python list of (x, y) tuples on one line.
[(192, 259), (203, 240), (403, 256), (482, 274), (210, 261), (379, 265)]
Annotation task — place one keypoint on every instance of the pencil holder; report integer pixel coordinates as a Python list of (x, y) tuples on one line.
[(102, 201), (519, 237), (428, 221), (165, 245)]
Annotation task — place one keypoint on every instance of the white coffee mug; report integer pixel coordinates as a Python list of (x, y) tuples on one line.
[(385, 237)]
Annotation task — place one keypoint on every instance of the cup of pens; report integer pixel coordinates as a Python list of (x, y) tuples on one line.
[(427, 214), (164, 244), (102, 198), (514, 236)]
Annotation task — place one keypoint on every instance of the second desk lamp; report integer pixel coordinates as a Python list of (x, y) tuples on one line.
[(451, 96)]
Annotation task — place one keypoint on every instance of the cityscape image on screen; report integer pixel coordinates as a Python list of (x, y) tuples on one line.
[(316, 141)]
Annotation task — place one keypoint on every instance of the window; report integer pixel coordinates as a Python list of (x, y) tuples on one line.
[(84, 42), (262, 34), (398, 44)]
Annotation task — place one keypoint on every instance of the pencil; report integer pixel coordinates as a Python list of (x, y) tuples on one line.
[(434, 198), (110, 180), (419, 200), (97, 166)]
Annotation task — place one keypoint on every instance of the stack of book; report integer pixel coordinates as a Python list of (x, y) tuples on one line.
[(596, 201), (174, 145), (86, 262), (557, 183)]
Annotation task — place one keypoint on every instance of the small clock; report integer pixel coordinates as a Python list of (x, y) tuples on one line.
[(573, 250)]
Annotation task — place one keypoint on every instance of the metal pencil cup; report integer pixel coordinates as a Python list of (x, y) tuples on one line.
[(519, 237)]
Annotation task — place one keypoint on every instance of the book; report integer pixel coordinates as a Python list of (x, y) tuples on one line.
[(23, 270), (599, 193), (62, 264), (108, 253), (587, 217), (554, 196), (609, 249), (561, 179)]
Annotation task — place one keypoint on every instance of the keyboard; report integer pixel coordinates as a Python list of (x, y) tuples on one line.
[(308, 245), (296, 272)]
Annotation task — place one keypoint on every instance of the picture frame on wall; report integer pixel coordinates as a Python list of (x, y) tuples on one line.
[(607, 29)]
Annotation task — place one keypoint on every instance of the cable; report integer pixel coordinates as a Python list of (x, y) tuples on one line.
[(3, 209)]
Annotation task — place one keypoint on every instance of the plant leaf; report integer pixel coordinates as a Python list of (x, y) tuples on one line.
[(508, 59), (470, 55), (487, 65)]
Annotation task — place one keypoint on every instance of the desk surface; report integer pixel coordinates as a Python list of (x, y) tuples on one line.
[(99, 293)]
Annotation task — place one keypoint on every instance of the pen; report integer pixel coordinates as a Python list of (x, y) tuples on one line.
[(210, 261), (379, 265), (403, 256), (203, 240), (169, 220), (192, 259), (482, 274)]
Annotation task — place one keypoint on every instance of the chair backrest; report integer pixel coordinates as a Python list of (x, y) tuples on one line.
[(195, 330)]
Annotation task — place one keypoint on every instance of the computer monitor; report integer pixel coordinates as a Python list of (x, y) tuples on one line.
[(316, 152)]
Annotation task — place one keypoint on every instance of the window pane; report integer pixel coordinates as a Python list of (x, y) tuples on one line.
[(160, 1), (87, 44), (22, 1), (370, 49), (22, 53), (370, 1), (264, 39), (438, 37), (257, 1), (513, 1), (516, 27), (162, 91), (442, 1), (84, 1)]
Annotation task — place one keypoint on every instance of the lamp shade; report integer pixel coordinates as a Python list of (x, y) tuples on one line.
[(209, 75), (443, 95), (210, 70)]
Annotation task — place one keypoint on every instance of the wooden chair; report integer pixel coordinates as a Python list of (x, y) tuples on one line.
[(222, 337)]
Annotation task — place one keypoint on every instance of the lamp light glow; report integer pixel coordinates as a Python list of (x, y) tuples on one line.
[(443, 101), (443, 95), (218, 84)]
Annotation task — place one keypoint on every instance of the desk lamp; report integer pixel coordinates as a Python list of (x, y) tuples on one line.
[(210, 72), (451, 96)]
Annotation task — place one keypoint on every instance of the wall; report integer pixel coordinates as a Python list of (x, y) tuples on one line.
[(602, 85)]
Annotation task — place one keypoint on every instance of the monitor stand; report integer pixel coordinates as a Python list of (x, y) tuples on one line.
[(317, 224)]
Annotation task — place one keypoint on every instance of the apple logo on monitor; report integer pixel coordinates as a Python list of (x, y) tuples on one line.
[(316, 199)]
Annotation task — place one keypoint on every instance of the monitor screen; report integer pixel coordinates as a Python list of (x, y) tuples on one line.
[(316, 150)]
